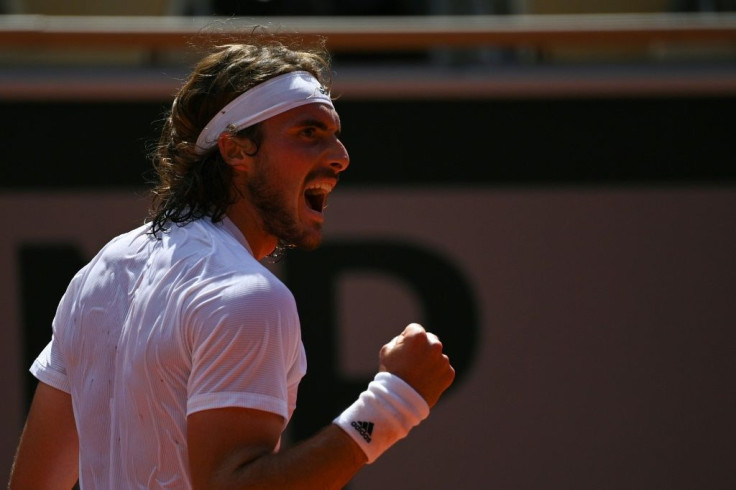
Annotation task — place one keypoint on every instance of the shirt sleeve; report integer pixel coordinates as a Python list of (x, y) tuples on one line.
[(244, 340), (50, 366)]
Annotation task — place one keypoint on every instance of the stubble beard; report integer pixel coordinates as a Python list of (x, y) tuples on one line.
[(278, 220)]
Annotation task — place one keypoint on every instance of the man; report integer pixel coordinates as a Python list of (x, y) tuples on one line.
[(176, 355)]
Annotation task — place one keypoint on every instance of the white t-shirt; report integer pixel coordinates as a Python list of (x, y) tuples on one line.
[(153, 330)]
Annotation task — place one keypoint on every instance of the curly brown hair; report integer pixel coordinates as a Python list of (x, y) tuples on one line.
[(191, 185)]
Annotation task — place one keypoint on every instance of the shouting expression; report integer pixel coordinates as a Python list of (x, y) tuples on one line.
[(293, 172)]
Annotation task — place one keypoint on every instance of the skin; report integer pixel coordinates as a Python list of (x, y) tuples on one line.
[(47, 456), (233, 448), (300, 147)]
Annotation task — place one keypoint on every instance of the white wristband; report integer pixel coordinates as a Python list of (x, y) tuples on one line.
[(383, 414)]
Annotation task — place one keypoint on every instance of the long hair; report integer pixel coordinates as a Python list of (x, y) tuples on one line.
[(189, 185)]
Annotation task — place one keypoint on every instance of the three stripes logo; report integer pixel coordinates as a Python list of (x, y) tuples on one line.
[(365, 429)]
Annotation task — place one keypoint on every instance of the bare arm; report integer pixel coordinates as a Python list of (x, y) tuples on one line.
[(48, 453), (232, 448)]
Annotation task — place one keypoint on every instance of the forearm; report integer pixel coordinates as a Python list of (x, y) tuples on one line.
[(232, 448), (327, 460), (381, 415)]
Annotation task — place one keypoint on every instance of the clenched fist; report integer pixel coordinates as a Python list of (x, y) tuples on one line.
[(416, 357)]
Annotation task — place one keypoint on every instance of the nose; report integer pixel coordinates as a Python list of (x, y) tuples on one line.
[(341, 159)]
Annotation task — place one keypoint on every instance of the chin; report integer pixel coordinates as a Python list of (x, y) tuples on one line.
[(308, 240), (311, 243), (311, 237)]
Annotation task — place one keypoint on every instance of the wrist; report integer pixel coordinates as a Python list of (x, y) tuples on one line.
[(383, 414)]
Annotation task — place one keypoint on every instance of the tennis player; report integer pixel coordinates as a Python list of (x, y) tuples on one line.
[(176, 355)]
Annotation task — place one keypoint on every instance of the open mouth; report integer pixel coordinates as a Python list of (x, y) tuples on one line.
[(316, 196)]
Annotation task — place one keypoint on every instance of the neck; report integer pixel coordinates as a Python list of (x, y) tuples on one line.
[(249, 223)]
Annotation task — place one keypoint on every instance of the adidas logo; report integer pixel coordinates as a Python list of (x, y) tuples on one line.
[(364, 428)]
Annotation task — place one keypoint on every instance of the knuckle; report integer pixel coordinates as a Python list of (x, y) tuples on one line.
[(385, 350)]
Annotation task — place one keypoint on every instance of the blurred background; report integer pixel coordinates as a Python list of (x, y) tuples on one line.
[(549, 185)]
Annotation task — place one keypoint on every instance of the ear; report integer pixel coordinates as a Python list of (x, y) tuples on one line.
[(237, 152)]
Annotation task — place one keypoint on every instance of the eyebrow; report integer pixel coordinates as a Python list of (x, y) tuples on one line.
[(317, 124)]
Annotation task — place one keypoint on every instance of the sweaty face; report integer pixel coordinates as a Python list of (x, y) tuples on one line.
[(296, 168)]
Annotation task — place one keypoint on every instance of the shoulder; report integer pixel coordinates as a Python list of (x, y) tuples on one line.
[(124, 252), (246, 307), (244, 292), (218, 276)]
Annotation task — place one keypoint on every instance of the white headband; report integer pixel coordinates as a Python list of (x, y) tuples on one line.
[(272, 97)]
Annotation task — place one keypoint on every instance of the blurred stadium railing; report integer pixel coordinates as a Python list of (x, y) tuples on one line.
[(411, 55)]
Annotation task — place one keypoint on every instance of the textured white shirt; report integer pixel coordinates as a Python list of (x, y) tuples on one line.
[(153, 330)]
